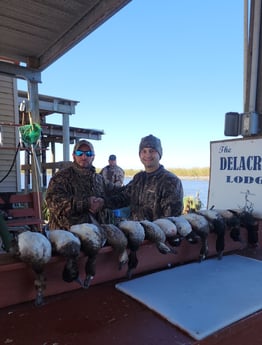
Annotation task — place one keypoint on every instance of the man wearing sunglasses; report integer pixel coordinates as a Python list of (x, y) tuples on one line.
[(73, 198), (74, 193)]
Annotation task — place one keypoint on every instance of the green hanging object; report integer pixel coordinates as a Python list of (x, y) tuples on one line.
[(30, 133)]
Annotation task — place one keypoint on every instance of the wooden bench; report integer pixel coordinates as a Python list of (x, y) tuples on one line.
[(23, 211)]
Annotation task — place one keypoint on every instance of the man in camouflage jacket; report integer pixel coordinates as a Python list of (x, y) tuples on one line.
[(72, 192), (153, 193), (112, 172)]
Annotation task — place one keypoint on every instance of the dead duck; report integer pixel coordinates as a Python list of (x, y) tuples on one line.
[(248, 221), (217, 225), (135, 234), (169, 228), (92, 239), (200, 226), (155, 234), (118, 241), (232, 220), (68, 245), (34, 249), (184, 229)]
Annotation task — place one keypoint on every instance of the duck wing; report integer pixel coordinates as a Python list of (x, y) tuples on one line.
[(155, 234), (118, 241)]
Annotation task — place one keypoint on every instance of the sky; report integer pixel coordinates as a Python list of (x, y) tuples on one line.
[(170, 68)]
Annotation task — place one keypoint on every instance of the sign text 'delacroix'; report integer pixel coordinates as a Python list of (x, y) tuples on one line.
[(240, 163)]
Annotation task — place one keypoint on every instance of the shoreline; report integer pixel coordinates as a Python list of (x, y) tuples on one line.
[(206, 178)]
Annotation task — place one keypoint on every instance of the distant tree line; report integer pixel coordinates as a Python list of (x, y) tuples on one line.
[(181, 172)]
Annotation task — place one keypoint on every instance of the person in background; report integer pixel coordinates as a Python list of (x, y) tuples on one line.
[(73, 193), (112, 172)]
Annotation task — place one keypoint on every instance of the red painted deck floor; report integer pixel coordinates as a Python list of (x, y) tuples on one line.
[(102, 315)]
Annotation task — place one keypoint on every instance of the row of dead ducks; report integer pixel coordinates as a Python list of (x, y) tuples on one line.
[(125, 239)]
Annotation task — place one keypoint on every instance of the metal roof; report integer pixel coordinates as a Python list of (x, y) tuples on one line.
[(35, 33)]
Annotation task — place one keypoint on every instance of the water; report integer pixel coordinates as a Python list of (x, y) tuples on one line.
[(192, 187)]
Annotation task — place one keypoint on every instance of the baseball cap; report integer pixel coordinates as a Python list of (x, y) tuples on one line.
[(112, 157), (84, 142)]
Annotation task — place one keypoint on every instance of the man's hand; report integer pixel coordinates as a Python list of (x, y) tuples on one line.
[(95, 204)]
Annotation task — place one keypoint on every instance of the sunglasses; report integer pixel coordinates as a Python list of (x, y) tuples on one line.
[(79, 153)]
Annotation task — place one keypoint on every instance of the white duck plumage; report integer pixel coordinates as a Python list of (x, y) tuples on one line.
[(35, 249), (66, 244), (182, 224), (61, 239), (92, 239), (169, 228)]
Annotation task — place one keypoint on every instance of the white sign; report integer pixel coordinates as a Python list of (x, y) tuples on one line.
[(236, 175)]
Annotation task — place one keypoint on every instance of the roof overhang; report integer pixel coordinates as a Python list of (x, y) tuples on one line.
[(34, 34)]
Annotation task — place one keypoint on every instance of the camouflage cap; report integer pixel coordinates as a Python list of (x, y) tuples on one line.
[(151, 142), (84, 142)]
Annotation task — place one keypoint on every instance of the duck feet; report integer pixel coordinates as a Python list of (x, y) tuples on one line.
[(174, 241), (87, 281), (79, 281), (220, 255), (121, 265), (39, 299), (129, 273), (203, 255), (173, 251), (40, 287), (132, 263), (192, 238)]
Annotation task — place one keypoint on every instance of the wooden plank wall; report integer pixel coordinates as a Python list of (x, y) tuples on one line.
[(9, 114)]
